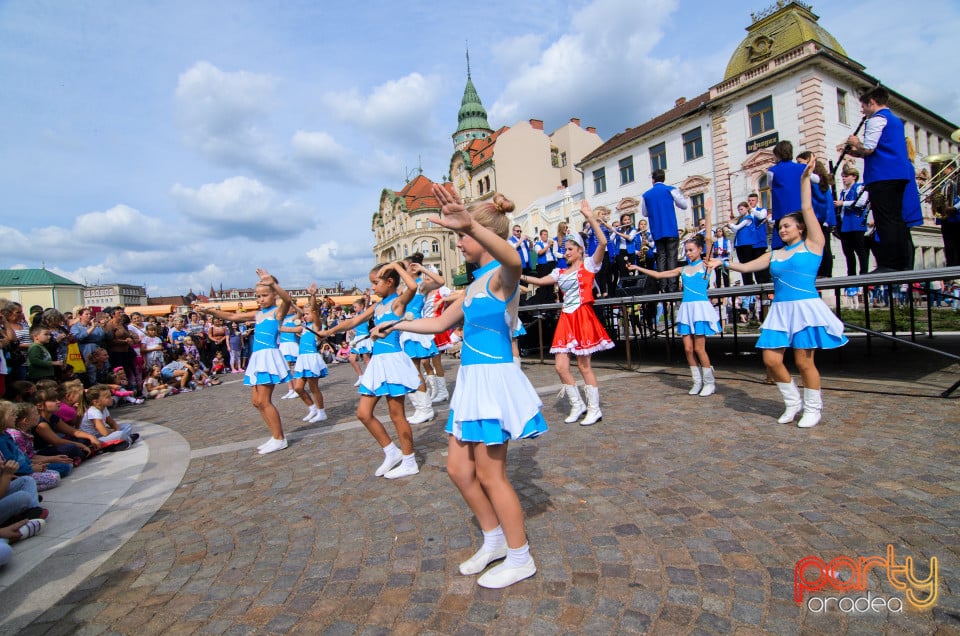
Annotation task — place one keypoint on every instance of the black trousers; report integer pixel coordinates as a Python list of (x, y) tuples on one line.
[(667, 260), (745, 255), (895, 250), (826, 263), (855, 251), (951, 243)]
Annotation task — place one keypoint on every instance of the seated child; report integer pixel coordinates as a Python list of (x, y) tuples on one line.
[(343, 353), (121, 388), (153, 385), (177, 373), (219, 365), (27, 419), (9, 450), (70, 394), (97, 421), (200, 376), (18, 531), (328, 353), (191, 351), (53, 436)]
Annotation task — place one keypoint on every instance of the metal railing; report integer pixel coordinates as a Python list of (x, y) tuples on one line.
[(626, 322)]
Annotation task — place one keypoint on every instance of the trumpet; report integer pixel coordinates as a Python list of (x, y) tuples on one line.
[(941, 189)]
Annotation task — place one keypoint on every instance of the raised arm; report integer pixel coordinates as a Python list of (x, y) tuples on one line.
[(815, 239), (285, 301), (455, 217), (652, 273), (400, 304), (601, 252), (451, 316)]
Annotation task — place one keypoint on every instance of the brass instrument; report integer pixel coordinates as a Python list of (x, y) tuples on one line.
[(941, 189)]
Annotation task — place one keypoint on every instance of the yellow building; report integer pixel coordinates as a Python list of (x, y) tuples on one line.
[(40, 287)]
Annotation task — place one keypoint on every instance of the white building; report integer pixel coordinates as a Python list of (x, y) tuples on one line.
[(788, 80), (114, 295)]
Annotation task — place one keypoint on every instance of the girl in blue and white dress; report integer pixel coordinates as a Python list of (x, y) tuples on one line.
[(798, 317), (421, 348), (266, 367), (493, 402), (390, 373), (360, 344), (697, 318), (289, 345), (310, 366)]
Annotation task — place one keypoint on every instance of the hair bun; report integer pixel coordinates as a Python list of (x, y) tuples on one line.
[(503, 204)]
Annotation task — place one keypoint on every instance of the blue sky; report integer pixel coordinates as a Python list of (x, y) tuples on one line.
[(183, 144)]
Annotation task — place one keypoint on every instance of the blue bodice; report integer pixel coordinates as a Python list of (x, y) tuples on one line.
[(290, 320), (308, 340), (384, 313), (267, 333), (695, 284), (487, 321), (794, 271)]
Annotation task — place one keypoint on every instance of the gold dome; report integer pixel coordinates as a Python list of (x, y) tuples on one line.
[(780, 28)]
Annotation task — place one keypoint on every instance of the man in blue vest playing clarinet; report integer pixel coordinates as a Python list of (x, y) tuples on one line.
[(886, 172), (657, 204)]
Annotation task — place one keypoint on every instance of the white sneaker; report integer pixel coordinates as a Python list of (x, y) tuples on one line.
[(504, 575), (389, 462), (403, 470), (481, 559), (290, 395), (264, 445), (309, 416), (273, 445), (319, 416)]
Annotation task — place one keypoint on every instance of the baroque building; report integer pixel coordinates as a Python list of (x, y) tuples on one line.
[(521, 161), (789, 79)]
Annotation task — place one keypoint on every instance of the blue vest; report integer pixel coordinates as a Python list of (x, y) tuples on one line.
[(659, 205), (889, 160), (785, 189), (823, 205), (546, 257), (521, 246), (759, 231), (853, 220)]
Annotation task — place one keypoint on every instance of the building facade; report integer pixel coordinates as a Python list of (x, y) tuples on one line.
[(40, 287), (522, 162), (789, 79), (114, 295)]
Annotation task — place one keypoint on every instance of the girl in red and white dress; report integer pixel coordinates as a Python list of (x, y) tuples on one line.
[(578, 330)]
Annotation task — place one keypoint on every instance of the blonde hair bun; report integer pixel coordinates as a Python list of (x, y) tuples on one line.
[(503, 204)]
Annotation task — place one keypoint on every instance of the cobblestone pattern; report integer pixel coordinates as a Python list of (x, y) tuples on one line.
[(675, 514)]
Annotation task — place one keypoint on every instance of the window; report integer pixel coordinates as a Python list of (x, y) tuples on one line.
[(692, 144), (480, 186), (486, 183), (842, 105), (658, 157), (435, 247), (761, 116), (763, 189), (600, 181), (563, 159), (626, 170), (696, 204)]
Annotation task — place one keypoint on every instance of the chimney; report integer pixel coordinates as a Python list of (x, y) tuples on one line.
[(592, 130), (575, 120), (536, 124), (680, 102)]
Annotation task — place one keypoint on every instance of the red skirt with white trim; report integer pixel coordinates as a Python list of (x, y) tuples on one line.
[(580, 333)]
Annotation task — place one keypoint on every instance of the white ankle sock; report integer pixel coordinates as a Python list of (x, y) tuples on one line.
[(391, 449), (517, 556), (494, 539), (409, 460)]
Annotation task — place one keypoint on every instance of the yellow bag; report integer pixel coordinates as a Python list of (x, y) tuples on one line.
[(74, 359)]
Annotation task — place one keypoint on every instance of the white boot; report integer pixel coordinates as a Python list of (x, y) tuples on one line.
[(423, 410), (812, 406), (577, 407), (709, 383), (428, 384), (697, 381), (441, 393), (791, 401), (593, 406)]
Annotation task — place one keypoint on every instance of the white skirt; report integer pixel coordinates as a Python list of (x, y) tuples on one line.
[(699, 317), (389, 374), (290, 350), (310, 365), (266, 366), (498, 392)]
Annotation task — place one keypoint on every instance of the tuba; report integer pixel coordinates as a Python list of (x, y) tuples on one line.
[(941, 189)]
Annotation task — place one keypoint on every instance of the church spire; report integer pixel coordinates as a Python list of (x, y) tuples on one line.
[(472, 118)]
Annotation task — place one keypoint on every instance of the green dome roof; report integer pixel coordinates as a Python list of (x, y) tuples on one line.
[(781, 28), (472, 115)]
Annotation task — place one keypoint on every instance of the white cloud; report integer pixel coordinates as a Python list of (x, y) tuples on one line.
[(611, 43), (332, 261), (224, 115), (240, 206), (398, 110)]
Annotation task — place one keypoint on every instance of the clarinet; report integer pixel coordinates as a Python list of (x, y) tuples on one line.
[(846, 149)]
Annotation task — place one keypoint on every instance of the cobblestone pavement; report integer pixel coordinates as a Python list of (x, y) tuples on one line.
[(675, 514)]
